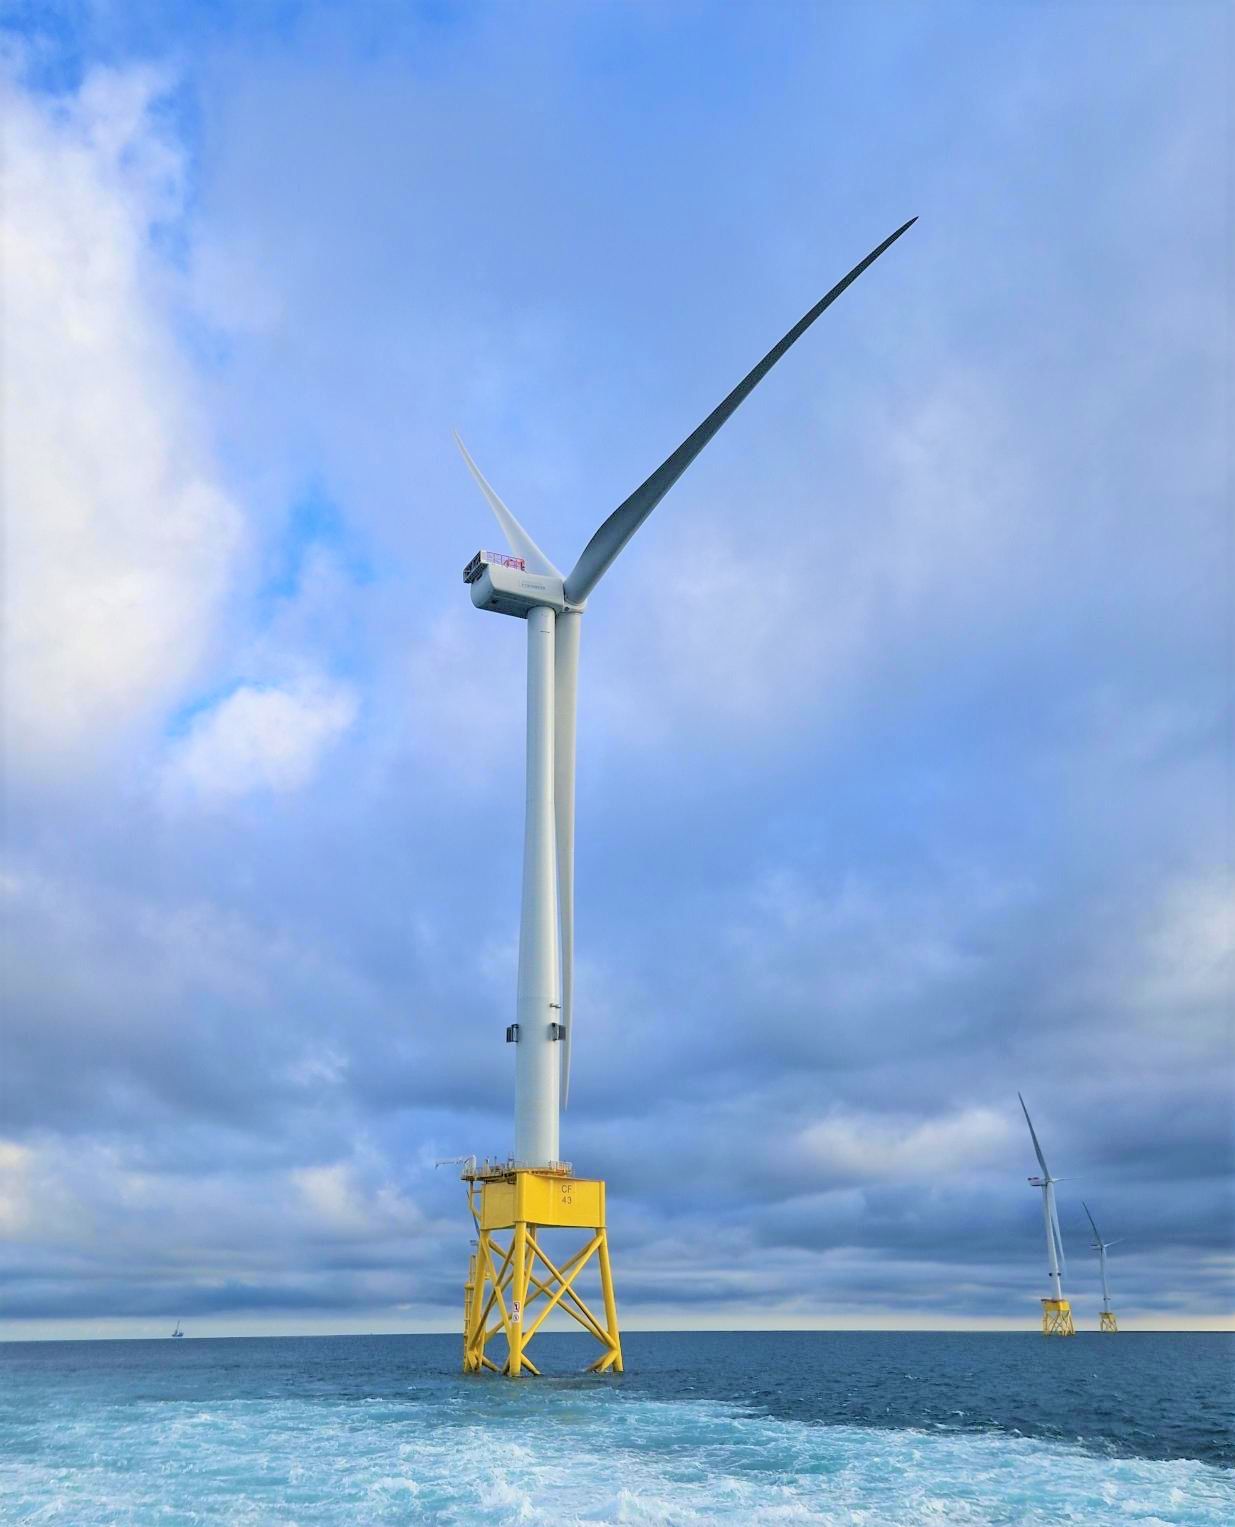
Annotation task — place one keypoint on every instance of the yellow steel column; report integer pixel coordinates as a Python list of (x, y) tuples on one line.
[(606, 1289), (518, 1296), (475, 1328)]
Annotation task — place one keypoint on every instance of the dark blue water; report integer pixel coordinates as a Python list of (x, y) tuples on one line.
[(820, 1426)]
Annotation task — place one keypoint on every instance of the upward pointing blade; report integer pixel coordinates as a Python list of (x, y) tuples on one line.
[(516, 537), (1037, 1148), (600, 552), (1097, 1239)]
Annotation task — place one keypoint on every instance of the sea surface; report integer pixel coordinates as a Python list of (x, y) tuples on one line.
[(846, 1428)]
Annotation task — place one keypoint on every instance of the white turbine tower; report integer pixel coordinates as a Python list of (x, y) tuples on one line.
[(1056, 1311), (527, 585), (1107, 1321)]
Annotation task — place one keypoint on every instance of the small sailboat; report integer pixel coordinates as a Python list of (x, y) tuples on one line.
[(177, 1331)]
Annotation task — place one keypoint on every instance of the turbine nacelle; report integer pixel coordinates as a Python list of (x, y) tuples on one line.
[(507, 586)]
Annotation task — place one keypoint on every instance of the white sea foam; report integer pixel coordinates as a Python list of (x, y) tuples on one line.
[(543, 1454)]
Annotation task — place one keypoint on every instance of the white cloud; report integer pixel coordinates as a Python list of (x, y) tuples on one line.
[(1190, 955), (14, 1186), (859, 945), (337, 1200), (119, 539), (867, 1148), (261, 738), (35, 1199), (806, 573), (463, 681), (54, 1192)]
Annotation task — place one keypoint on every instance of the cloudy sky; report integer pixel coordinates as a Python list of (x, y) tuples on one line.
[(905, 740)]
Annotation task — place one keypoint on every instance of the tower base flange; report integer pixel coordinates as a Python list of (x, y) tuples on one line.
[(507, 1294), (1057, 1318)]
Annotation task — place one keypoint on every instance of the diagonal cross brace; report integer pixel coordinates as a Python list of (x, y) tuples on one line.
[(580, 1260), (581, 1313)]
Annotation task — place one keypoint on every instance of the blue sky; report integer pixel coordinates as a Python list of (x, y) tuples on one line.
[(905, 735)]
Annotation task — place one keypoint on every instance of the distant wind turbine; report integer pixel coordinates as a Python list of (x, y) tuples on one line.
[(1056, 1311), (1107, 1320)]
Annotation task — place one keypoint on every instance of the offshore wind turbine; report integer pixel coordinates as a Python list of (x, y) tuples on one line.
[(1107, 1321), (1056, 1311), (535, 1187)]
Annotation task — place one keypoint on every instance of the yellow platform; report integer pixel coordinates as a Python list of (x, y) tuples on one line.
[(1107, 1322), (1057, 1318), (513, 1285)]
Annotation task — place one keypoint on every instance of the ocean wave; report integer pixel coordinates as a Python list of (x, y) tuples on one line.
[(487, 1452)]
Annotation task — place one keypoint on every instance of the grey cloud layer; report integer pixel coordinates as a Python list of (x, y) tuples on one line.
[(909, 798)]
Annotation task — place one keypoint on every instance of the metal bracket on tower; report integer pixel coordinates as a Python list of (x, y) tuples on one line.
[(512, 1033)]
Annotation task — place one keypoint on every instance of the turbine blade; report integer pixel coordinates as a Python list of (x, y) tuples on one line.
[(1063, 1264), (600, 552), (1097, 1238), (516, 537), (1033, 1135), (566, 690)]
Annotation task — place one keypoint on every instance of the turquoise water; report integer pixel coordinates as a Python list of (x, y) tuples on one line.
[(747, 1428)]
